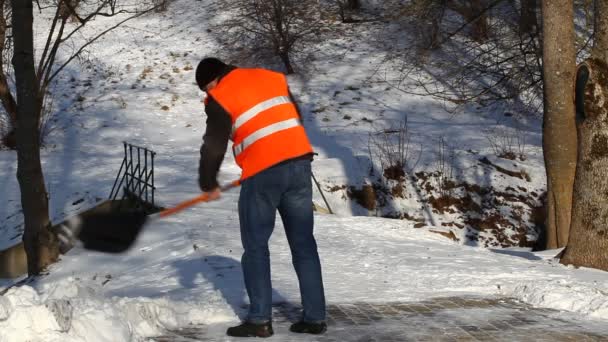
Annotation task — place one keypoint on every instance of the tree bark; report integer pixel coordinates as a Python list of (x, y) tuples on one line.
[(600, 41), (559, 129), (40, 244), (588, 245)]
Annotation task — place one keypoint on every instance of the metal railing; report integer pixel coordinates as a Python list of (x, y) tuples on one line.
[(137, 174)]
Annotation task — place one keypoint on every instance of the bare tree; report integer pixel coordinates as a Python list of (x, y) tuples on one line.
[(510, 68), (37, 239), (66, 24), (275, 26), (559, 130), (588, 240), (32, 82)]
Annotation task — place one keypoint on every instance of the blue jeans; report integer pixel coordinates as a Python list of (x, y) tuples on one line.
[(286, 187)]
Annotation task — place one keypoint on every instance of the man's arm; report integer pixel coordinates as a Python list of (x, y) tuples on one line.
[(215, 142)]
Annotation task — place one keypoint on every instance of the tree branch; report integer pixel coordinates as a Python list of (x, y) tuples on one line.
[(83, 47)]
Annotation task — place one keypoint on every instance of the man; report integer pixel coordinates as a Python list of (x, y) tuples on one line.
[(255, 109)]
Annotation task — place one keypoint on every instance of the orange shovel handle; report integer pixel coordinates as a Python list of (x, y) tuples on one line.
[(193, 201)]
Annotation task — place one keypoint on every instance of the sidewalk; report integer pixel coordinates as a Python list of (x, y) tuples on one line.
[(442, 319)]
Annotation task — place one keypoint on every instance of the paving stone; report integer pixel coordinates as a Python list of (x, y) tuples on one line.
[(453, 319)]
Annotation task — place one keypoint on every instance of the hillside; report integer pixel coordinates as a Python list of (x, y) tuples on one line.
[(458, 219)]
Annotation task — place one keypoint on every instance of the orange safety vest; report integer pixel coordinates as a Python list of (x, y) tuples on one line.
[(266, 129)]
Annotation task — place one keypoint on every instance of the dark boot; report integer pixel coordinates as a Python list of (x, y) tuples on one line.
[(247, 329), (308, 328)]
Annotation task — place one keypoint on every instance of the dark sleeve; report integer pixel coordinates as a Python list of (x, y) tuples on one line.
[(215, 142)]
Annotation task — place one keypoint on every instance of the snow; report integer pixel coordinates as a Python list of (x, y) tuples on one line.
[(186, 269)]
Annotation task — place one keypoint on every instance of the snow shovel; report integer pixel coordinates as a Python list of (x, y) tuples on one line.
[(115, 232)]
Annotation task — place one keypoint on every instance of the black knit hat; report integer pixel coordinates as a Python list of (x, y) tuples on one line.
[(208, 69)]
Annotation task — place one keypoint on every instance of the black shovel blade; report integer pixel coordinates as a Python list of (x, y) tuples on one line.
[(111, 232)]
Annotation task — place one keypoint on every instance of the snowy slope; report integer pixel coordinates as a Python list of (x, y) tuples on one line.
[(139, 87), (187, 270)]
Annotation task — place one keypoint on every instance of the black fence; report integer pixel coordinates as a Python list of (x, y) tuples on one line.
[(136, 177)]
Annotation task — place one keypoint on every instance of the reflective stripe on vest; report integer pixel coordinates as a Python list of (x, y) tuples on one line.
[(264, 132), (257, 109)]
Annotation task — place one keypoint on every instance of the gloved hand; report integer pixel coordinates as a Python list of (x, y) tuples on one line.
[(214, 194), (201, 185), (205, 182), (68, 232)]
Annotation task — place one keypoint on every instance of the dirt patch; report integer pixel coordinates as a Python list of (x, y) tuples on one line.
[(365, 197), (508, 155), (394, 172), (538, 215), (511, 216), (517, 174), (336, 188), (452, 224), (513, 197), (451, 204), (475, 188), (508, 217), (398, 191), (449, 234), (494, 224)]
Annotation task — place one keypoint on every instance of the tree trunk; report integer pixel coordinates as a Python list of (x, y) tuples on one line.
[(588, 245), (287, 62), (528, 23), (40, 244), (600, 41), (559, 129)]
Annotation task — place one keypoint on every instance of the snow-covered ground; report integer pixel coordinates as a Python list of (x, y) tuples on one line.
[(186, 269)]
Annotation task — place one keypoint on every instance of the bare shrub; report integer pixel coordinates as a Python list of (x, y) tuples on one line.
[(507, 142), (392, 149), (470, 53), (260, 29), (443, 175)]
